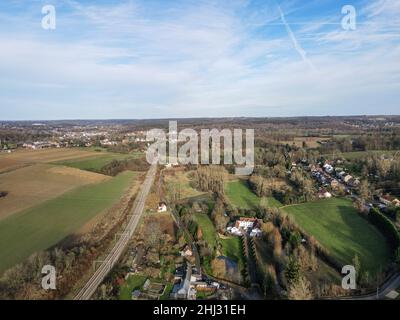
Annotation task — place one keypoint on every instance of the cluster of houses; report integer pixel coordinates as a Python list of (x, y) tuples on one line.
[(333, 177), (37, 145), (347, 179), (150, 290), (137, 136), (389, 200), (336, 177), (250, 226), (188, 282)]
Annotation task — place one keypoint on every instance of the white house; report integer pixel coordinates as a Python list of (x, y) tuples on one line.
[(245, 223), (186, 252), (256, 232), (162, 207), (328, 168), (235, 231), (347, 178), (327, 195), (341, 174)]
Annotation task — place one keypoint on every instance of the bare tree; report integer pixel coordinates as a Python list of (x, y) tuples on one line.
[(152, 235), (300, 290)]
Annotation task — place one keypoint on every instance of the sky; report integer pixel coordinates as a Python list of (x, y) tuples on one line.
[(137, 59)]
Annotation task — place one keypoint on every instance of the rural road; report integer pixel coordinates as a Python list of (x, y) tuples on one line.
[(97, 278), (391, 284)]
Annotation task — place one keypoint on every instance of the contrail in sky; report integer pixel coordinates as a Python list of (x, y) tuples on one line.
[(297, 46)]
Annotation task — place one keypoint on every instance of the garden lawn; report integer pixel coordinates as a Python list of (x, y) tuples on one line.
[(232, 248), (134, 282), (208, 229), (240, 195)]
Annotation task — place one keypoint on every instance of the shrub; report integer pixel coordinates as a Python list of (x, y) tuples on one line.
[(386, 226)]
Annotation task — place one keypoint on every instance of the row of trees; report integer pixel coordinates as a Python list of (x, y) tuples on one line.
[(23, 281), (385, 226), (267, 187), (210, 178), (118, 166), (364, 142)]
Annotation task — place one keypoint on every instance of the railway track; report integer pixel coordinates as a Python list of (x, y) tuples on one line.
[(112, 258)]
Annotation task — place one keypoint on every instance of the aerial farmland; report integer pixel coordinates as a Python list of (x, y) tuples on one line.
[(47, 201)]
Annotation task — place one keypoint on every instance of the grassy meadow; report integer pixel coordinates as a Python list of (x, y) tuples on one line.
[(208, 229), (342, 231), (232, 248), (240, 195)]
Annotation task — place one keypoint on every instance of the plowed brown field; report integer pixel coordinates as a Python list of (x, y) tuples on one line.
[(21, 158), (37, 183)]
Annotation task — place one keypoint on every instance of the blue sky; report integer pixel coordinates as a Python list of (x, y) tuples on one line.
[(173, 59)]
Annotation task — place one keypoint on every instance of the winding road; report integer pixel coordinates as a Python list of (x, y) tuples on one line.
[(137, 210)]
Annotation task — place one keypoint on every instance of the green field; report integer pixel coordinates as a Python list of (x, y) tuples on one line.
[(97, 162), (209, 233), (342, 231), (134, 282), (232, 248), (240, 195), (42, 226), (272, 202)]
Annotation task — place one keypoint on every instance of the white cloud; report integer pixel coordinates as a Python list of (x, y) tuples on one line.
[(195, 59)]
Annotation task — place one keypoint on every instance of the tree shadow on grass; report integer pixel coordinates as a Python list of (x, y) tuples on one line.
[(364, 239)]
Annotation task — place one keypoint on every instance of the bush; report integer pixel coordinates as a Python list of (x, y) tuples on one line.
[(386, 226), (397, 256)]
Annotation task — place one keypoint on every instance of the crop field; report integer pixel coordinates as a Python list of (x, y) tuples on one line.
[(342, 231), (34, 184), (240, 195), (46, 224), (10, 161), (96, 163)]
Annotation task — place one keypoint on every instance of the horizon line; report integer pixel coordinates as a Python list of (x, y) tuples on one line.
[(189, 118)]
